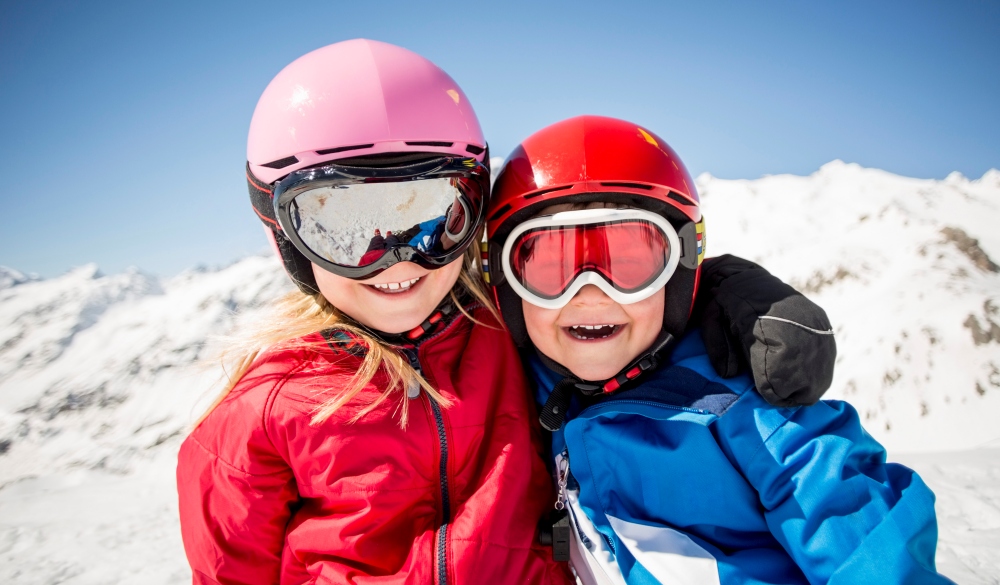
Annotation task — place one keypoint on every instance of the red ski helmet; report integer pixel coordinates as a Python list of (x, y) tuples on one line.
[(587, 159), (367, 101)]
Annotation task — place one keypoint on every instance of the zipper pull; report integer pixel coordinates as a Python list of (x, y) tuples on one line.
[(560, 535), (562, 477), (412, 388)]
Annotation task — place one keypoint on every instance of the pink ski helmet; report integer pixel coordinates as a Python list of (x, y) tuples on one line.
[(347, 100)]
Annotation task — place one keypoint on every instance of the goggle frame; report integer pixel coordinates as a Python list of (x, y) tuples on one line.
[(333, 175), (569, 219)]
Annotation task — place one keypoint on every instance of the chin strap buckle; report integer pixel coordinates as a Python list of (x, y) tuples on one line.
[(554, 412), (431, 322)]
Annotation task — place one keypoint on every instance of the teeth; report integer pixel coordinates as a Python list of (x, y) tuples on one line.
[(397, 286), (607, 330)]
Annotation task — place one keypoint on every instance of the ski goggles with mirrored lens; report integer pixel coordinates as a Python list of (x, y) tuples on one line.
[(357, 221), (629, 254)]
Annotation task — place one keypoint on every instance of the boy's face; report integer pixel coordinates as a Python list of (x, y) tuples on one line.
[(595, 354), (569, 336)]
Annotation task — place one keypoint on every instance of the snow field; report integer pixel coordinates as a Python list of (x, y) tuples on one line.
[(101, 376)]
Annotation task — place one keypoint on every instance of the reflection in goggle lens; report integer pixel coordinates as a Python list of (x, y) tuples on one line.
[(355, 224)]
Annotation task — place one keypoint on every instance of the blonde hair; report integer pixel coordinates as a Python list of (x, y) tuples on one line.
[(297, 315)]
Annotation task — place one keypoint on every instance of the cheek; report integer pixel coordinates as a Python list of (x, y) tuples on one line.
[(647, 317), (540, 323), (447, 276), (336, 289)]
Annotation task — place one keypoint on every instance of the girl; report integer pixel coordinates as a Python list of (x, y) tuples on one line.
[(379, 428), (384, 434)]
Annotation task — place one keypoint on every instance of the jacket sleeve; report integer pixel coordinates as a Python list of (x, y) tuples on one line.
[(236, 494), (832, 501)]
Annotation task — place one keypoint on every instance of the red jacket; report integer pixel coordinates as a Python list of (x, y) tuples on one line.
[(266, 497)]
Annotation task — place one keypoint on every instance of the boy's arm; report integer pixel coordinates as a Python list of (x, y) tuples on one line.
[(750, 317), (831, 500)]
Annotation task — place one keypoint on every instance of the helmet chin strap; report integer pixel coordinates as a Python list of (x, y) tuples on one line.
[(553, 413), (443, 315)]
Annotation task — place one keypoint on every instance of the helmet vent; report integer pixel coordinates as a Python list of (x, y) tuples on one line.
[(430, 143), (678, 198), (544, 191), (477, 150), (281, 162), (343, 148), (629, 186), (499, 212)]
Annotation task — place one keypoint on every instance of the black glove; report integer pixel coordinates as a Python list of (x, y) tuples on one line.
[(750, 317)]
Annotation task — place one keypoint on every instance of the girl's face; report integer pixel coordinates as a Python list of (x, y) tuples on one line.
[(396, 300)]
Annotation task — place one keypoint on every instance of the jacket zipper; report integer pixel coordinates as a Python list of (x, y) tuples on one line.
[(441, 542), (442, 536)]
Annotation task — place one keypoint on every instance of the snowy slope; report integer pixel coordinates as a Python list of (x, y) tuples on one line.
[(99, 381), (97, 370), (903, 268), (99, 375)]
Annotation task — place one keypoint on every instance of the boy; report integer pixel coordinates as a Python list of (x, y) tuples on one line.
[(668, 472)]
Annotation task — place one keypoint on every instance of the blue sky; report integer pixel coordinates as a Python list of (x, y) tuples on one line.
[(123, 124)]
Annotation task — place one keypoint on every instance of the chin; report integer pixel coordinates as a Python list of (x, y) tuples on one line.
[(394, 321), (591, 374), (396, 326)]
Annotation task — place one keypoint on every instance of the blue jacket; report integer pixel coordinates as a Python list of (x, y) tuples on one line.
[(692, 478)]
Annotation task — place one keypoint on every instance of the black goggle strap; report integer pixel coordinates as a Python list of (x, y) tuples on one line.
[(692, 237), (262, 199), (553, 413), (298, 267)]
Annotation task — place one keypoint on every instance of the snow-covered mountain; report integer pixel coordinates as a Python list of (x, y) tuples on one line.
[(100, 376), (906, 271), (98, 369)]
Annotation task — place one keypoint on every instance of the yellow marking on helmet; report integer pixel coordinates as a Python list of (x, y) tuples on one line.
[(649, 137), (699, 230), (455, 96), (484, 250)]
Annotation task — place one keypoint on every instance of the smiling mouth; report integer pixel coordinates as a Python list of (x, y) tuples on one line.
[(592, 332), (394, 288)]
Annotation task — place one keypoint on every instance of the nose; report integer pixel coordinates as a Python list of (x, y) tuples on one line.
[(591, 296)]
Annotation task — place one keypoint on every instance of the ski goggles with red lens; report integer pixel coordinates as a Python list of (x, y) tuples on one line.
[(356, 221), (629, 254)]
